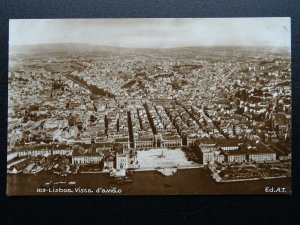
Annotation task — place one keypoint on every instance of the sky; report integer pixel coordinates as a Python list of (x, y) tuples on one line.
[(154, 33)]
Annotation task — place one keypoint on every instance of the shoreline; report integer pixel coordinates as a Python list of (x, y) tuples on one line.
[(150, 182), (250, 179), (182, 168), (199, 166)]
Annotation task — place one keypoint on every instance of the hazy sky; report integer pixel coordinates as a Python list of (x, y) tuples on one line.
[(149, 33)]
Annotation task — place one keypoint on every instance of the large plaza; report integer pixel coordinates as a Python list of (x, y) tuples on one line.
[(162, 157)]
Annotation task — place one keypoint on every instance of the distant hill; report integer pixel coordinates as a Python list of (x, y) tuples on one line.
[(73, 48), (62, 48)]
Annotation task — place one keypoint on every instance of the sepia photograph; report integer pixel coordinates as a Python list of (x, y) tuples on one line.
[(149, 106)]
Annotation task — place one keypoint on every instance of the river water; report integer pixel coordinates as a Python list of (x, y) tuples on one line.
[(185, 182)]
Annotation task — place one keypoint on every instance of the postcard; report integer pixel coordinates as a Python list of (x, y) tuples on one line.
[(168, 106)]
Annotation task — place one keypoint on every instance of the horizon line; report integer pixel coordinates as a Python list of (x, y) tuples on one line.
[(116, 46)]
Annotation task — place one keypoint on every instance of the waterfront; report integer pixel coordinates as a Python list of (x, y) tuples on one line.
[(77, 110), (185, 182)]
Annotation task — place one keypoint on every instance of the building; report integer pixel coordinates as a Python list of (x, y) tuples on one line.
[(144, 142), (205, 142), (236, 156), (121, 161), (124, 142), (190, 141), (108, 163), (207, 155), (282, 152), (271, 136), (44, 150), (170, 140), (228, 145), (262, 156), (219, 156), (86, 156)]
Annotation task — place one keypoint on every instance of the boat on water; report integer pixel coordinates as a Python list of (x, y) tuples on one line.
[(49, 168), (29, 168), (59, 184), (118, 173), (75, 170), (72, 183), (55, 166), (37, 169), (64, 174), (121, 180), (124, 180), (14, 171)]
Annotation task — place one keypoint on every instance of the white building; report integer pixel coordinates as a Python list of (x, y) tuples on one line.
[(121, 161)]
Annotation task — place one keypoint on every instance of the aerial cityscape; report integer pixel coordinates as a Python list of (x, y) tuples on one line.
[(86, 118)]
